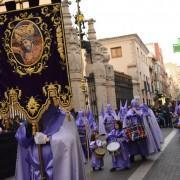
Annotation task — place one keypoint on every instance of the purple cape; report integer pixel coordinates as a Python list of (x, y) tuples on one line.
[(62, 157)]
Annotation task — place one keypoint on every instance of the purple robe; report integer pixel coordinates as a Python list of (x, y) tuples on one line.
[(109, 119), (96, 162), (155, 129), (62, 156), (92, 123), (84, 131), (153, 132), (101, 121), (135, 147), (120, 160)]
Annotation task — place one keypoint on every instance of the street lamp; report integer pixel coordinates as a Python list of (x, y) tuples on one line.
[(79, 21)]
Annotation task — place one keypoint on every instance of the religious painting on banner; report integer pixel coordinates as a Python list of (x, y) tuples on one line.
[(27, 43), (33, 62)]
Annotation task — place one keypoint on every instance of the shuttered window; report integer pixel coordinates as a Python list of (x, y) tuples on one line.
[(116, 52)]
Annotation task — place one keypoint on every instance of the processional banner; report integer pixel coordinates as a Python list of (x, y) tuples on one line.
[(33, 62)]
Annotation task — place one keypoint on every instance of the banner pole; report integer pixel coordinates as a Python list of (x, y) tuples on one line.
[(35, 128)]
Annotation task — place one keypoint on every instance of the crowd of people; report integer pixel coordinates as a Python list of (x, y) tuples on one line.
[(167, 114), (131, 131)]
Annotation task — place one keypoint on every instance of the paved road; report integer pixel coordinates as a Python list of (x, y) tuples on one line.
[(152, 165), (167, 167)]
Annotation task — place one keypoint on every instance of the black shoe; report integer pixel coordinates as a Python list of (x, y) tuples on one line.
[(132, 158), (100, 169), (113, 169), (94, 169), (144, 158)]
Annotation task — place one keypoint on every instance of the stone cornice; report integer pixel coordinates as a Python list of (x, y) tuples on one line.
[(125, 38)]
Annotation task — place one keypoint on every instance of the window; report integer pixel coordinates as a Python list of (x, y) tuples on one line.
[(116, 52), (138, 51)]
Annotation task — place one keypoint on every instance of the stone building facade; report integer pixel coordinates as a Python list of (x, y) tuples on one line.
[(173, 72), (81, 64), (129, 55), (160, 80)]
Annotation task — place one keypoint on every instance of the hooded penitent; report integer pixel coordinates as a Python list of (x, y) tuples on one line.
[(123, 111), (101, 121), (152, 132), (133, 117), (63, 150), (84, 130), (92, 122), (109, 118)]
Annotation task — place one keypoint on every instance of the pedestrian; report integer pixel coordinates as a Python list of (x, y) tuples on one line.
[(123, 111), (97, 161), (167, 115), (83, 127), (153, 133), (120, 158), (61, 149), (133, 119), (109, 118), (102, 129)]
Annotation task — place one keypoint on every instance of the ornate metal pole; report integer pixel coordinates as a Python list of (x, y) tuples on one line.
[(79, 20), (35, 128)]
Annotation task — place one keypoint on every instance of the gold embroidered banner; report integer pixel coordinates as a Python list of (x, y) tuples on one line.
[(33, 62)]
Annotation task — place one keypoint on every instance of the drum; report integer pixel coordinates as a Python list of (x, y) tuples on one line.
[(99, 143), (135, 133), (113, 147), (100, 152)]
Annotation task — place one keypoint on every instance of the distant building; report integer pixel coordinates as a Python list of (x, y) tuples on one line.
[(129, 55), (160, 78), (173, 72)]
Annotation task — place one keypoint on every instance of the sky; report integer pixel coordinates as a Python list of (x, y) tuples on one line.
[(153, 20)]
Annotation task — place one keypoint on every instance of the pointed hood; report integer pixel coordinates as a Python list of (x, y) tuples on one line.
[(91, 121), (110, 112), (134, 103), (123, 111)]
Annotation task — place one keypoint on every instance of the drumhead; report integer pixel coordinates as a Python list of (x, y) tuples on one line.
[(100, 151), (113, 146)]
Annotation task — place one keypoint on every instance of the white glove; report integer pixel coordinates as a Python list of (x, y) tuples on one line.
[(40, 138), (99, 143)]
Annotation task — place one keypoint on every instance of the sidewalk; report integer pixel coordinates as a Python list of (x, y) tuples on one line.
[(168, 165)]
